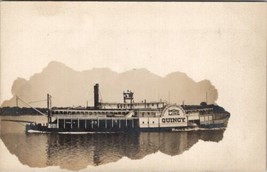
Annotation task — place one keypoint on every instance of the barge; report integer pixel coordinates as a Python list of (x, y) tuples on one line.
[(129, 116)]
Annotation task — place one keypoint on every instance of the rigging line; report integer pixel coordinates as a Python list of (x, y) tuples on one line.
[(22, 121), (31, 106), (21, 124), (37, 101)]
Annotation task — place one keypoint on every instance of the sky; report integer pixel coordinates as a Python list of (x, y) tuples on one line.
[(123, 36), (222, 42)]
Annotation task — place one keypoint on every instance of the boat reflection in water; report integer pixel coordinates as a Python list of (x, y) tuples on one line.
[(76, 152)]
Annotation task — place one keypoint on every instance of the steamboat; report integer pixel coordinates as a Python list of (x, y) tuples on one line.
[(130, 116)]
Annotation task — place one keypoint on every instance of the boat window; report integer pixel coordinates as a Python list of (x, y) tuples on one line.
[(153, 122)]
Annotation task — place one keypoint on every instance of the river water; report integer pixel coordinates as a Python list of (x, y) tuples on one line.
[(75, 152)]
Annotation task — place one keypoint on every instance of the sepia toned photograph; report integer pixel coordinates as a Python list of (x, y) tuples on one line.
[(127, 86)]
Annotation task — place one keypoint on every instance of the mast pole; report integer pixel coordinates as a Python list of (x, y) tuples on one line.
[(48, 108), (207, 97), (17, 103)]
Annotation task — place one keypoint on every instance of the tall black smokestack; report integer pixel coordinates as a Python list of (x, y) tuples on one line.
[(96, 96)]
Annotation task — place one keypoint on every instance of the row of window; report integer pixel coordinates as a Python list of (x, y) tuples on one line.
[(148, 122), (148, 113), (89, 113), (133, 105)]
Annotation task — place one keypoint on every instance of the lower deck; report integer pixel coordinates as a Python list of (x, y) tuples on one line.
[(125, 124), (96, 124)]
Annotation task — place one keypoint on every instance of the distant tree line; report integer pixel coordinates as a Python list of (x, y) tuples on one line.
[(21, 111)]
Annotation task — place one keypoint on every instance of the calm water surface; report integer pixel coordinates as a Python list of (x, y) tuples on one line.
[(76, 152)]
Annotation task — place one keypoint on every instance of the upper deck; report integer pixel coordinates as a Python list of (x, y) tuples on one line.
[(139, 105)]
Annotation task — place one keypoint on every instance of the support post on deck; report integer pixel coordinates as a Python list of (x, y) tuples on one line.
[(57, 122), (70, 123)]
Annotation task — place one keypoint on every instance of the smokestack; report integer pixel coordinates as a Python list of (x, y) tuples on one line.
[(96, 96)]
